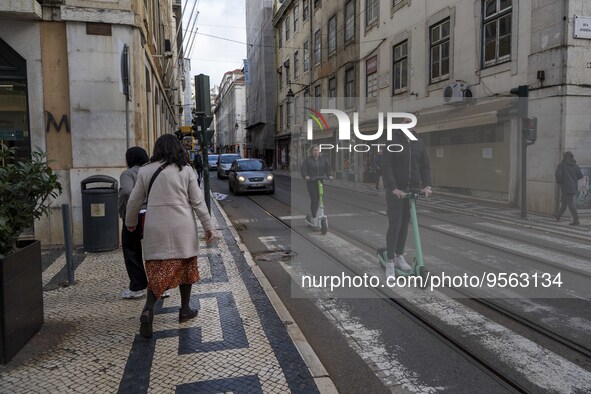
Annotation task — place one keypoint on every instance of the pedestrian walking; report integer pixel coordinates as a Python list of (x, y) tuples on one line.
[(171, 242), (315, 165), (567, 176), (377, 162), (131, 241), (403, 171), (198, 164)]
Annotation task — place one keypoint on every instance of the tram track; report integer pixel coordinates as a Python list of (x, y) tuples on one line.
[(412, 313), (573, 348), (578, 348)]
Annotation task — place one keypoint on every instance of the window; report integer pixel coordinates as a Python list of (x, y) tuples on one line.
[(281, 116), (296, 18), (440, 37), (305, 9), (317, 3), (371, 78), (400, 77), (306, 56), (496, 34), (280, 72), (349, 87), (332, 92), (332, 35), (349, 21), (317, 94), (371, 11), (280, 36), (286, 28), (286, 67), (296, 60), (317, 47), (288, 114)]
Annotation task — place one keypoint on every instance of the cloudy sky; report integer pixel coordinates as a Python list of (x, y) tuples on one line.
[(220, 18)]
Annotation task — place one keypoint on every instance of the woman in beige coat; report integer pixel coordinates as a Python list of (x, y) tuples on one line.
[(171, 243)]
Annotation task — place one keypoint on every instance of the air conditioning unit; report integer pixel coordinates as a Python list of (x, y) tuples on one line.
[(456, 92)]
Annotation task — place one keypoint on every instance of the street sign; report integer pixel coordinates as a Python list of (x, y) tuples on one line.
[(582, 27)]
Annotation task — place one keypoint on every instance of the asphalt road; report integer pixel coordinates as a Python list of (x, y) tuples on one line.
[(365, 343)]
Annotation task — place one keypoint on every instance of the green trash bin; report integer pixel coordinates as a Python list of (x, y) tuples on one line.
[(100, 217)]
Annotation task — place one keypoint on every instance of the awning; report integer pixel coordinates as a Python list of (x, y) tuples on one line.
[(464, 116), (254, 126)]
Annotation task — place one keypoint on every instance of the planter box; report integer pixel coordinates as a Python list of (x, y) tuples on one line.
[(21, 298)]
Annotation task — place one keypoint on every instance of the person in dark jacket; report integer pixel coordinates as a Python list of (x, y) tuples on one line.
[(377, 162), (567, 175), (131, 242), (198, 164), (315, 166), (403, 171)]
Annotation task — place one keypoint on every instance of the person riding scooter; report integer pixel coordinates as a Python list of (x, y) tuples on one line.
[(315, 166), (403, 171)]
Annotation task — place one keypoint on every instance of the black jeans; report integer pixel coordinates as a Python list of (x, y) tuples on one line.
[(398, 219), (568, 200), (314, 196), (199, 176), (378, 176), (131, 243)]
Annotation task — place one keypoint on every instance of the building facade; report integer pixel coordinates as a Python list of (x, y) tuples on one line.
[(261, 98), (83, 80), (318, 44), (230, 114), (453, 64)]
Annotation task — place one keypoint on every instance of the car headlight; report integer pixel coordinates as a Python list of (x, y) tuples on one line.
[(270, 177), (241, 179)]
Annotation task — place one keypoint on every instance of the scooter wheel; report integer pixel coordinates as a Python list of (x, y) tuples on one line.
[(323, 226), (426, 277)]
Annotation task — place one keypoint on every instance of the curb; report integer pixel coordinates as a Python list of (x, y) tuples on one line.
[(319, 374)]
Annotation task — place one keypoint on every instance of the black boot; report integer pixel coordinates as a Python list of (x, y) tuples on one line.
[(147, 316), (186, 313)]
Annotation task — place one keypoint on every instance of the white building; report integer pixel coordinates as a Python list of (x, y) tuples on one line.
[(230, 114), (65, 87)]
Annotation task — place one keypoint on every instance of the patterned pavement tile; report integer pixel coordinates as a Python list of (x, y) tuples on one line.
[(90, 340)]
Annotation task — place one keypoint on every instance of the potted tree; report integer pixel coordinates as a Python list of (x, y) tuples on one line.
[(26, 190)]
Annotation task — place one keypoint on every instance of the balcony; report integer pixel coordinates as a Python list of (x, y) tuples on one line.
[(20, 9)]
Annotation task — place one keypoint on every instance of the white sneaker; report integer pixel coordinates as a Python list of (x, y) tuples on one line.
[(131, 295), (166, 294), (390, 269), (401, 263)]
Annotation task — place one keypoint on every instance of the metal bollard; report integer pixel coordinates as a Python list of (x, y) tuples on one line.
[(68, 242)]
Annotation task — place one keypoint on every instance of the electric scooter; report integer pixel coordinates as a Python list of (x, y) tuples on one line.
[(320, 222), (418, 266)]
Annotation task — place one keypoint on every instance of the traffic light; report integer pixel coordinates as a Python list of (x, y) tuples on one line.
[(202, 95), (529, 127), (523, 93)]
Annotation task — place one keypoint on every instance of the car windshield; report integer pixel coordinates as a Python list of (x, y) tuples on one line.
[(252, 165), (229, 158), (212, 158)]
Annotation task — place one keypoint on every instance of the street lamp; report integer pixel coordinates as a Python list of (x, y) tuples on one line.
[(290, 94)]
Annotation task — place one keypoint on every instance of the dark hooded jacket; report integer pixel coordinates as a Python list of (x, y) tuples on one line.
[(568, 174), (406, 170), (316, 168)]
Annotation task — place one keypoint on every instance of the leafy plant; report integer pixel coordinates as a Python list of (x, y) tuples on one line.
[(26, 190)]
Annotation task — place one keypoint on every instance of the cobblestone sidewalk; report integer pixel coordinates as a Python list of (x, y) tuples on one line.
[(90, 340)]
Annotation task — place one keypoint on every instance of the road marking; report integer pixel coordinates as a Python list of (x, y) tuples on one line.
[(545, 238), (507, 244), (272, 243), (538, 365), (364, 341)]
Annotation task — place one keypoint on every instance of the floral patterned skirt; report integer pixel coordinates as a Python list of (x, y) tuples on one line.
[(168, 274)]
